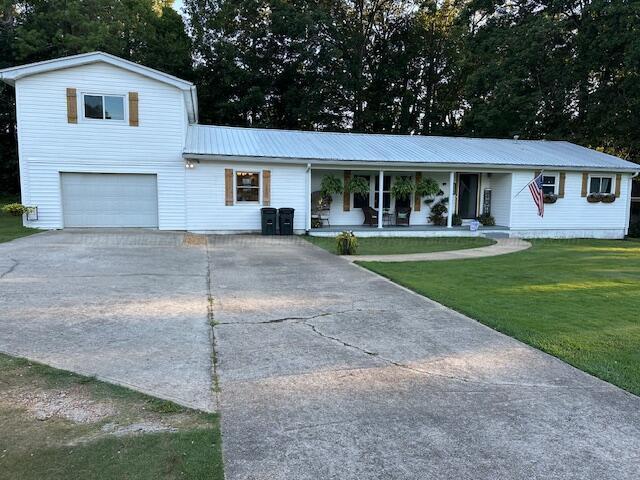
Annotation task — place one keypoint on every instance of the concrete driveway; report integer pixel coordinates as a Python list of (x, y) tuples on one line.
[(129, 307), (330, 372)]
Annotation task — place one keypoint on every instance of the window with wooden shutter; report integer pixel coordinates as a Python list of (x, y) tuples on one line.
[(346, 196), (228, 186), (417, 198), (585, 182), (266, 188), (561, 186), (133, 109), (72, 105)]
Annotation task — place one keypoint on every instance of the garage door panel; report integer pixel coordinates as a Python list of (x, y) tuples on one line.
[(109, 200)]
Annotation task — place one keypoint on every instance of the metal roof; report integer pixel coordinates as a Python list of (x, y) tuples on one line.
[(328, 147)]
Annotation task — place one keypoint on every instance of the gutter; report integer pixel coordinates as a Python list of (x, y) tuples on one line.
[(402, 166)]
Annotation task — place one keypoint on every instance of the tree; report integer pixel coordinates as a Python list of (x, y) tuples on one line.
[(8, 150)]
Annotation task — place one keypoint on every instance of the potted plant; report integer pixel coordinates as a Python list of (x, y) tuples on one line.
[(428, 187), (402, 188), (359, 186), (456, 220), (550, 198), (594, 198), (439, 210), (487, 220), (346, 243), (608, 198), (330, 185), (17, 209)]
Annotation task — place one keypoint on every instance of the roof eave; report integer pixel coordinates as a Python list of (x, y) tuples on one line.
[(331, 163)]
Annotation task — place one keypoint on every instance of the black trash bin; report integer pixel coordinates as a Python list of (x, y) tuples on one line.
[(268, 220), (285, 219)]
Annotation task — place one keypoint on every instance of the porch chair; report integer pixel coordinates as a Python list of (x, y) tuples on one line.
[(402, 216), (370, 216), (319, 209)]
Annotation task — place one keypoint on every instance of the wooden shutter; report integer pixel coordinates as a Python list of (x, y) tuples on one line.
[(72, 105), (585, 180), (618, 184), (561, 185), (266, 188), (417, 200), (228, 186), (133, 109), (346, 196)]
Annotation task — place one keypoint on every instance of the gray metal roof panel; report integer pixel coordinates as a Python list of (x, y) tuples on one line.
[(345, 147)]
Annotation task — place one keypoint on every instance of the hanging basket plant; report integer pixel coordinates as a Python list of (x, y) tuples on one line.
[(346, 243), (359, 186), (402, 188), (330, 185), (427, 187)]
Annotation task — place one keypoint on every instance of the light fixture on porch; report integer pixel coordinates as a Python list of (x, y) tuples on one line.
[(190, 164)]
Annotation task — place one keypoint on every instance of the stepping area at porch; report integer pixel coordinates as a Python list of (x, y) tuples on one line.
[(410, 231)]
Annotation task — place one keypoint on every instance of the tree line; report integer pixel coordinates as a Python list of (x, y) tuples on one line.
[(553, 69)]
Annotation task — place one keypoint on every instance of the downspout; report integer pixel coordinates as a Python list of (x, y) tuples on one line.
[(308, 201)]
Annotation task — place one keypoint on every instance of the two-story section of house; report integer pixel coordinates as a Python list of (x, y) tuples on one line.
[(105, 142), (100, 142)]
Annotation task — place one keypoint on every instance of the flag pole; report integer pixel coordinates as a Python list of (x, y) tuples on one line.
[(534, 179)]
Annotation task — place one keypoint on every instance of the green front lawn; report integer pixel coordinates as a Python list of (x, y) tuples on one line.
[(11, 227), (576, 299), (391, 245), (58, 425)]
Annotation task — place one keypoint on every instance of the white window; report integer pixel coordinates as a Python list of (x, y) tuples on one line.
[(600, 184), (103, 107), (549, 184), (247, 187)]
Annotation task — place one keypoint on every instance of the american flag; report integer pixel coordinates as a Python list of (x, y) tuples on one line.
[(535, 187)]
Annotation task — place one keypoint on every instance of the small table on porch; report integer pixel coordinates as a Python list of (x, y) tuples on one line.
[(388, 217)]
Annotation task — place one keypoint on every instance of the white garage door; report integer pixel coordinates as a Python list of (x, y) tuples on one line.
[(109, 200)]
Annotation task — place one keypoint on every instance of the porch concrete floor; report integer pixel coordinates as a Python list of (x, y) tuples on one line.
[(328, 371)]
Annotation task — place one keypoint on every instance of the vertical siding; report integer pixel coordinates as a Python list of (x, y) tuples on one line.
[(572, 212), (206, 209), (48, 144), (501, 198)]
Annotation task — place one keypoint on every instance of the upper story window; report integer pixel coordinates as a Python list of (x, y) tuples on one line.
[(601, 185), (247, 187), (103, 107), (549, 184)]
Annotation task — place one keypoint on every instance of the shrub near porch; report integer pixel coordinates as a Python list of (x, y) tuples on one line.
[(578, 300)]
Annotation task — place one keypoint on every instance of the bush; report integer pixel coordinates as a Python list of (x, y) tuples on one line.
[(634, 226), (15, 209), (346, 243), (487, 220)]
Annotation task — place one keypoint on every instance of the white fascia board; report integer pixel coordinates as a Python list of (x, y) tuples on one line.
[(354, 164), (10, 75)]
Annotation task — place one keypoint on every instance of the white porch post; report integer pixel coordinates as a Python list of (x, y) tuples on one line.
[(308, 203), (451, 200), (380, 196)]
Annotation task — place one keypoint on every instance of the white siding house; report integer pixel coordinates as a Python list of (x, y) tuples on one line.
[(104, 142)]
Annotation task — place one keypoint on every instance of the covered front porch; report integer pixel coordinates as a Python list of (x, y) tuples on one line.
[(459, 198)]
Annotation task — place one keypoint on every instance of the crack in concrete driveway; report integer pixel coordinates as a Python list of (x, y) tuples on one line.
[(329, 371)]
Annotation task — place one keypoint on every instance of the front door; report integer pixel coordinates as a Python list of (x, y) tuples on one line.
[(468, 195)]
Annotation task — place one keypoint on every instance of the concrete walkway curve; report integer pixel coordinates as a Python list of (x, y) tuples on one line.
[(501, 247)]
